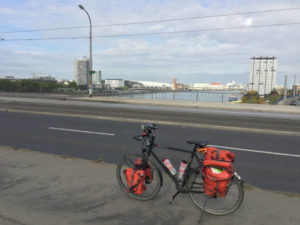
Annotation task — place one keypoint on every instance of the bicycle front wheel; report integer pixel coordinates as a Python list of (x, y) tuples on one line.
[(217, 206), (152, 188)]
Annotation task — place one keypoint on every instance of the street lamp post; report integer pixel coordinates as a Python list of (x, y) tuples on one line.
[(90, 73)]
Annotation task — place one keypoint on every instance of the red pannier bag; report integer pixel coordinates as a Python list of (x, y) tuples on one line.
[(135, 180), (219, 158), (148, 170), (215, 184), (217, 171)]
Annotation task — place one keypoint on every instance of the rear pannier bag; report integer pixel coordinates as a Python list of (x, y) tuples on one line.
[(135, 180), (217, 171), (216, 183), (219, 158)]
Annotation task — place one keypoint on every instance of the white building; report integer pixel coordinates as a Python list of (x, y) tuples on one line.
[(152, 84), (207, 86), (81, 70), (234, 85), (200, 86), (263, 74), (97, 77), (114, 83), (44, 78)]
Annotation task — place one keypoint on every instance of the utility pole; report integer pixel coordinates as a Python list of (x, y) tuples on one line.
[(294, 87), (90, 72), (284, 92)]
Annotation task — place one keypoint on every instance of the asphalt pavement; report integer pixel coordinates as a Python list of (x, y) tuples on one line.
[(267, 122), (263, 160)]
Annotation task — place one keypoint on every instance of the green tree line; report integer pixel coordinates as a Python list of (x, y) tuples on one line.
[(32, 86), (272, 98)]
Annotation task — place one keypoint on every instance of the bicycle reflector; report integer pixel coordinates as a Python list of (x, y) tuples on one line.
[(202, 150)]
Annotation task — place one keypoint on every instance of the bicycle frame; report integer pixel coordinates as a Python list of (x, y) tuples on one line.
[(149, 145)]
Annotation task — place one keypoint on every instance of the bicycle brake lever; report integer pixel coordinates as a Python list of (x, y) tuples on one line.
[(137, 138)]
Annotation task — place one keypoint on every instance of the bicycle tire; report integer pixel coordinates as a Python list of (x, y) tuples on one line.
[(215, 206), (152, 189)]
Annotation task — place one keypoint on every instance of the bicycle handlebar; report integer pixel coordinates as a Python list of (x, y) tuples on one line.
[(148, 130), (137, 138), (149, 126)]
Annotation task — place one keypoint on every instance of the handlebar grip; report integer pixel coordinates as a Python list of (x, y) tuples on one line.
[(137, 138)]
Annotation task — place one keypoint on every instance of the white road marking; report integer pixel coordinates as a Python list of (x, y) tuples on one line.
[(217, 146), (256, 151), (81, 131)]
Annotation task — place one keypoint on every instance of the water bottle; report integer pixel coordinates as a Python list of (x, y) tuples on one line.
[(170, 167), (182, 168)]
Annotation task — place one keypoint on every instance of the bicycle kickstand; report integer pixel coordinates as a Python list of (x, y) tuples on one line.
[(173, 197)]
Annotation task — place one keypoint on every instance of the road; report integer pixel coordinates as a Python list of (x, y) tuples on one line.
[(244, 120), (265, 167)]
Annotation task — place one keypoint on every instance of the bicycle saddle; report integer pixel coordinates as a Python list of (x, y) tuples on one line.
[(200, 143)]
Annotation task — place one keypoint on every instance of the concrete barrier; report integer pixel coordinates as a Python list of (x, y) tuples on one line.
[(194, 104)]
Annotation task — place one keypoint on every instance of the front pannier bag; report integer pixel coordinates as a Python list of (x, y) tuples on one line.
[(135, 180), (217, 171), (148, 170)]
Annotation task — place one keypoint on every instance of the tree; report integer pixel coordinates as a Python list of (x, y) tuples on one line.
[(273, 96), (252, 97), (289, 92), (73, 84), (82, 87), (5, 85)]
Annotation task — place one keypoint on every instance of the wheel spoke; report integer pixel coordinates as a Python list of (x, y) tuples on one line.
[(152, 189), (219, 205)]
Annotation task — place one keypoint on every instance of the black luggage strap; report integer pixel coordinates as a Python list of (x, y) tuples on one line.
[(137, 183)]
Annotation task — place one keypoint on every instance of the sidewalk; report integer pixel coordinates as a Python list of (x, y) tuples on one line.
[(194, 104), (43, 189), (162, 102)]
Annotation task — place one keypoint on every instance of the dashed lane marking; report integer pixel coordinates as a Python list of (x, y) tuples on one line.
[(81, 131)]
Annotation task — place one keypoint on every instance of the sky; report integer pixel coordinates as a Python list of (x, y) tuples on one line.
[(195, 57)]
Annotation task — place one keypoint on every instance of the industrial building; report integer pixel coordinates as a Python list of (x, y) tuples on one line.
[(263, 75)]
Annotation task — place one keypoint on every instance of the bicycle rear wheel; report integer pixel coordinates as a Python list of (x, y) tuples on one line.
[(152, 188), (216, 206)]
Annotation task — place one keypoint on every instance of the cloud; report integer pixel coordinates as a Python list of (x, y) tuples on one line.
[(128, 47), (248, 22), (191, 57)]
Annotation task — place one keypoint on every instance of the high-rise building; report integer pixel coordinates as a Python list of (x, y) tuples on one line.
[(96, 78), (263, 74), (81, 70)]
